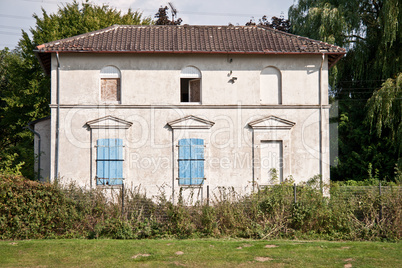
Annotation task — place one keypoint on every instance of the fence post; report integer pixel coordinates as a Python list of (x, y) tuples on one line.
[(208, 195), (294, 192), (380, 208), (122, 199)]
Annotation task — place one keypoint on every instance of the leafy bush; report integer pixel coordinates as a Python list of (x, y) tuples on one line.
[(41, 210), (30, 209)]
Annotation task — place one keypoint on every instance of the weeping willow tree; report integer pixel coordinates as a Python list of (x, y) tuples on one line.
[(385, 111), (370, 30)]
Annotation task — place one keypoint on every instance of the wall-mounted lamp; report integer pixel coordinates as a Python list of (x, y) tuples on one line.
[(232, 80)]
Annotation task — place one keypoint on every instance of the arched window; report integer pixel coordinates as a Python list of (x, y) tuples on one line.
[(271, 86), (190, 85), (110, 84)]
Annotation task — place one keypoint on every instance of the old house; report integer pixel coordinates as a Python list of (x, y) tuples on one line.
[(171, 107)]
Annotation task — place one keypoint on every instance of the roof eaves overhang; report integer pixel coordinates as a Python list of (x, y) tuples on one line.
[(44, 56), (44, 60)]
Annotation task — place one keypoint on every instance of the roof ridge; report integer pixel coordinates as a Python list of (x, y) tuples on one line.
[(298, 36), (76, 37)]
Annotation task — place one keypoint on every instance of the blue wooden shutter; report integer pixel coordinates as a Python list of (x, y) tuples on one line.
[(184, 162), (197, 161), (109, 161), (191, 161), (102, 158)]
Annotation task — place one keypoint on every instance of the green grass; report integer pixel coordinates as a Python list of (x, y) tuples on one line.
[(197, 253)]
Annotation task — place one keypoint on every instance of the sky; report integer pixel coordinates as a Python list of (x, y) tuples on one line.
[(16, 15)]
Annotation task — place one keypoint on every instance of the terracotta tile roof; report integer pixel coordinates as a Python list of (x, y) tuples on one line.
[(192, 39)]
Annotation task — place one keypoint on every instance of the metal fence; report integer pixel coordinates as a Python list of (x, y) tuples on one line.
[(138, 206)]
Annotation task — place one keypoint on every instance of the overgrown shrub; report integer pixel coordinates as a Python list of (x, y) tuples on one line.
[(34, 210), (30, 209)]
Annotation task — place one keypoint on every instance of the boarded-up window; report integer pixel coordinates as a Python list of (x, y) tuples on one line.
[(110, 89), (110, 84), (190, 85)]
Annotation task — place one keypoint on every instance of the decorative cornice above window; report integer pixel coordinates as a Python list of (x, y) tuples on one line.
[(108, 122), (191, 122), (271, 122)]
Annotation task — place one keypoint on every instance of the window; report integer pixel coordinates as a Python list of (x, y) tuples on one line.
[(190, 85), (110, 84), (271, 86), (191, 162), (109, 162)]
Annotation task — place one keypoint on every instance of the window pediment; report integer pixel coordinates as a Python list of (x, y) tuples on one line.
[(271, 122), (109, 122), (191, 122)]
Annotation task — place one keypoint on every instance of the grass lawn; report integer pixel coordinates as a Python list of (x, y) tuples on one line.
[(198, 253)]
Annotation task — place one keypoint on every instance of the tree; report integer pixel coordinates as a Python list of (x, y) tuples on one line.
[(280, 23), (25, 90), (370, 31), (163, 18), (385, 111)]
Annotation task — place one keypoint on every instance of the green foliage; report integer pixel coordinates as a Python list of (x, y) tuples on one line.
[(7, 165), (370, 32), (33, 210), (280, 23), (163, 17), (25, 90), (385, 110), (74, 19)]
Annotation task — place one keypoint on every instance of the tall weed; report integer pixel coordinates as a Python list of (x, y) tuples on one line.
[(41, 210)]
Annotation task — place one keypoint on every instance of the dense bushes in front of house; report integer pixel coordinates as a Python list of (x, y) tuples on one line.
[(41, 210)]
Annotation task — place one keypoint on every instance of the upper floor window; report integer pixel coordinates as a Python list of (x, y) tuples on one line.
[(271, 86), (190, 85), (110, 84)]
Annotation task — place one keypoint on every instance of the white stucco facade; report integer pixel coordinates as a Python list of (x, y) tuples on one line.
[(238, 116)]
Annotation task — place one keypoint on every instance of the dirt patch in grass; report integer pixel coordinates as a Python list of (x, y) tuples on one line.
[(270, 246), (263, 259), (179, 253), (140, 255), (348, 265), (348, 260)]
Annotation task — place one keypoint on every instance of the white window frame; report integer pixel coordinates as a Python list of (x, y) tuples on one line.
[(111, 72), (191, 72)]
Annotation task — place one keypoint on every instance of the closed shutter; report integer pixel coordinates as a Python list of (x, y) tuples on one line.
[(191, 162), (109, 162)]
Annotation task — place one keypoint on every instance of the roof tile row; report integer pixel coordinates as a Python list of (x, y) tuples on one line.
[(229, 39)]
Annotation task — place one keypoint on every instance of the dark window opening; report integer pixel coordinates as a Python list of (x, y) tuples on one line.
[(190, 90)]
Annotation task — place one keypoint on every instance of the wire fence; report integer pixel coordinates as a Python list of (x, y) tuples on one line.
[(284, 210), (135, 205)]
